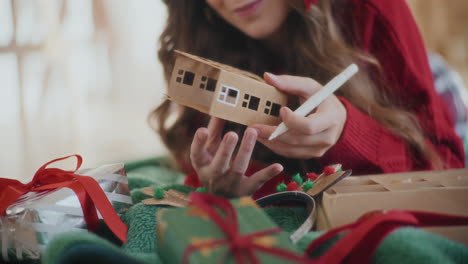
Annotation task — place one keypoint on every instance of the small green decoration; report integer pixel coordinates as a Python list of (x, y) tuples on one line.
[(308, 185), (281, 187), (297, 178), (339, 169), (159, 193), (201, 190)]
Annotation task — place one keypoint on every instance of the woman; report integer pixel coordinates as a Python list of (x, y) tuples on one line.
[(388, 118)]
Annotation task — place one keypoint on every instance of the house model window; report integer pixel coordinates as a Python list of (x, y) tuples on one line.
[(208, 84), (272, 109), (185, 77), (251, 102), (228, 95)]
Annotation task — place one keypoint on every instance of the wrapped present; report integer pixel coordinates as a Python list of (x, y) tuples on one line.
[(215, 230), (57, 201)]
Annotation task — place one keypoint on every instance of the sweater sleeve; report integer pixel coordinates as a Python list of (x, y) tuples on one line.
[(387, 30)]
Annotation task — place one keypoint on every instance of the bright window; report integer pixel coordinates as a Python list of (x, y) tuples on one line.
[(228, 95)]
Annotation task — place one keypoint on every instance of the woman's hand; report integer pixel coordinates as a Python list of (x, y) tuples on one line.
[(310, 136), (220, 173)]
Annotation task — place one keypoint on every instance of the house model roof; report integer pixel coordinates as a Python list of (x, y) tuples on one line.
[(221, 66)]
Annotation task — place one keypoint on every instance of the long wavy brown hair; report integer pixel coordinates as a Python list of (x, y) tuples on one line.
[(316, 47)]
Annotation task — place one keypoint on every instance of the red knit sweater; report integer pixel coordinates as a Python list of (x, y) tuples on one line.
[(387, 30)]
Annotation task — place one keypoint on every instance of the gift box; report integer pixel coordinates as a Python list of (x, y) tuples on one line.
[(58, 201), (215, 230), (434, 191)]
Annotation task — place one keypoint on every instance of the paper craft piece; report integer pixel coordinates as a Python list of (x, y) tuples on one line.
[(315, 184), (295, 196), (223, 91), (306, 192), (434, 191), (326, 181), (171, 198)]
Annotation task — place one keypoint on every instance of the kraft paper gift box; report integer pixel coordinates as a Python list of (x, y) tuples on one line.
[(434, 191), (184, 234), (36, 217)]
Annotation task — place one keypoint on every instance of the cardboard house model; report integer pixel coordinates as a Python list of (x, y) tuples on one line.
[(223, 91)]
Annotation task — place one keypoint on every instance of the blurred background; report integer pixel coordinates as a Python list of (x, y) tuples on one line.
[(81, 76)]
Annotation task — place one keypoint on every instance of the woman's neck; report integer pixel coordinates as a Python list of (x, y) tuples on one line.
[(275, 43)]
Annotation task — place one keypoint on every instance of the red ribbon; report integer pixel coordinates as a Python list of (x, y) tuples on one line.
[(239, 245), (366, 233), (88, 191), (308, 3)]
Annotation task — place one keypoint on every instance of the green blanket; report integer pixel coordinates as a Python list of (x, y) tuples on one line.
[(406, 245)]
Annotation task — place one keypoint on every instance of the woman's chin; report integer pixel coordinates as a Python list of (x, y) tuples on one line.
[(258, 34), (261, 29)]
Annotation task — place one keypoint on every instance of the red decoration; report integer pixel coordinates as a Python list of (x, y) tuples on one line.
[(308, 3), (240, 245), (364, 236), (312, 176), (88, 191), (328, 170), (292, 186)]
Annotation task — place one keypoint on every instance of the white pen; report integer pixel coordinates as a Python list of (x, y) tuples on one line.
[(317, 98)]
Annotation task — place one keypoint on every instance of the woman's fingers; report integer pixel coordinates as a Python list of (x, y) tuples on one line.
[(215, 128), (264, 131), (312, 146), (240, 164), (216, 124), (198, 154), (298, 126), (222, 158), (307, 137), (254, 182), (301, 86), (312, 124)]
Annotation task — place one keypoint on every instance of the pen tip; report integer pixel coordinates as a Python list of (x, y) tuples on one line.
[(273, 136)]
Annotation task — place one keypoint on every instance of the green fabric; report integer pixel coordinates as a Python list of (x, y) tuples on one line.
[(410, 245), (406, 245), (288, 218), (63, 249), (151, 172)]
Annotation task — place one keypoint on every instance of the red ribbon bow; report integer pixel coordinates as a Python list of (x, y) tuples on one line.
[(239, 245), (88, 191), (308, 3)]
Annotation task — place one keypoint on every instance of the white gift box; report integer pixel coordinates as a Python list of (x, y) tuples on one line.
[(36, 217)]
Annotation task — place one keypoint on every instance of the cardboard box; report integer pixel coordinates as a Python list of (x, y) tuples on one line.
[(223, 91), (435, 191)]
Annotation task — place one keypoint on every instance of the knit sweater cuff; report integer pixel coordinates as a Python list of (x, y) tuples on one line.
[(359, 143)]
